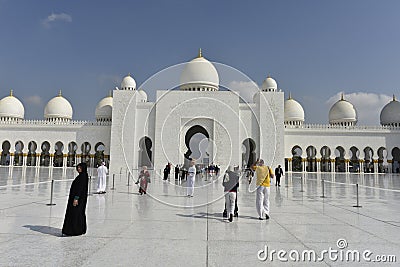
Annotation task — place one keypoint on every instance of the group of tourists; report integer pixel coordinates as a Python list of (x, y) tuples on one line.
[(75, 215)]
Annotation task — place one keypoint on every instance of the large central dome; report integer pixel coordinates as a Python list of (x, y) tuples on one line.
[(199, 75)]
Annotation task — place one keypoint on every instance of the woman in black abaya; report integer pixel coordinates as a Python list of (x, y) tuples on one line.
[(75, 217)]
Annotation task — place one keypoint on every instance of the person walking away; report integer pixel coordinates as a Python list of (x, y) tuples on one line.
[(75, 215), (102, 176), (278, 175), (264, 175), (166, 172), (191, 175), (230, 184), (176, 172), (143, 180)]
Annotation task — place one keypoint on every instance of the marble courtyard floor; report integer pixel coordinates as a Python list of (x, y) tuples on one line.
[(165, 228)]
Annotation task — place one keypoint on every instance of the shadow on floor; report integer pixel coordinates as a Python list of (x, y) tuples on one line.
[(48, 230), (204, 215)]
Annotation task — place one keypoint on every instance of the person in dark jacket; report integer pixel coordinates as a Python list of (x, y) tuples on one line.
[(75, 215), (231, 183), (278, 175)]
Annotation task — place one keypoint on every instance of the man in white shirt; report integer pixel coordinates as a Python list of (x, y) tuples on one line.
[(190, 179), (102, 182)]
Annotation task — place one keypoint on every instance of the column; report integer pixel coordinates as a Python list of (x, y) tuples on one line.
[(333, 165), (37, 159), (303, 162), (361, 162), (375, 166), (24, 159), (11, 159), (290, 165), (347, 165), (65, 156), (51, 160), (318, 165)]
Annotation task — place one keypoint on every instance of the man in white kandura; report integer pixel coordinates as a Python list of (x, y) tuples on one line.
[(102, 182), (190, 179)]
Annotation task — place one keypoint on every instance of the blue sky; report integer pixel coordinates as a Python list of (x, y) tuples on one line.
[(314, 49)]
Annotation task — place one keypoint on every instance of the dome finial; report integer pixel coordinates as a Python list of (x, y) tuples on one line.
[(59, 93), (394, 97), (129, 74), (342, 96), (200, 55), (269, 75), (290, 95), (110, 93), (11, 92)]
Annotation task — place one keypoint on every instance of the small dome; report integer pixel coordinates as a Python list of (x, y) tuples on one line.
[(104, 109), (58, 108), (11, 107), (199, 75), (293, 112), (142, 96), (269, 85), (343, 113), (390, 114), (128, 83)]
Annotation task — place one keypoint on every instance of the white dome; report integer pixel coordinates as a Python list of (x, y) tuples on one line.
[(293, 111), (58, 108), (104, 109), (269, 85), (11, 107), (343, 113), (142, 96), (199, 75), (128, 83), (390, 113)]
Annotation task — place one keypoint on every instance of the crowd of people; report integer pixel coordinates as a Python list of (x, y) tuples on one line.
[(75, 216)]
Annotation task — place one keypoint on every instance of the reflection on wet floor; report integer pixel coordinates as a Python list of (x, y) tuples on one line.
[(125, 227)]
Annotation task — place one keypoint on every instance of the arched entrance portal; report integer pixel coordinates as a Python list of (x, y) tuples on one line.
[(197, 145), (145, 153), (248, 153)]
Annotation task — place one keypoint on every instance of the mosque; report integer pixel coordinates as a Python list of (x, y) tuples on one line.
[(130, 131)]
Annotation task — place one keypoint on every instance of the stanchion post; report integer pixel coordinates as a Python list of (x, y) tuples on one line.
[(301, 183), (129, 174), (358, 203), (113, 188), (90, 183), (323, 188), (51, 194)]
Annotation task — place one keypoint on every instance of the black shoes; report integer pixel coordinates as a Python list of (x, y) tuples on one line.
[(260, 218), (266, 216), (230, 217), (225, 214), (236, 214)]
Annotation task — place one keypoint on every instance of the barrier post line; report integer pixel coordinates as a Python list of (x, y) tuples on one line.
[(358, 203), (323, 188), (113, 188), (301, 181), (129, 174), (51, 194)]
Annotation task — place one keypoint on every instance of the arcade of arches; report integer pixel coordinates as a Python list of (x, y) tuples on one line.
[(354, 160), (40, 155)]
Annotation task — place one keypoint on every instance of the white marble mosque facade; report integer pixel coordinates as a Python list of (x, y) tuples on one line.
[(131, 131)]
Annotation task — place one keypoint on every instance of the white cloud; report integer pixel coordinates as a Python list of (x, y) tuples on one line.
[(246, 89), (368, 105), (56, 17), (33, 100)]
